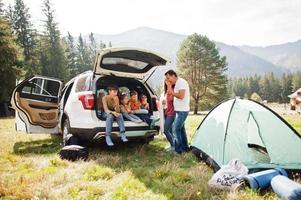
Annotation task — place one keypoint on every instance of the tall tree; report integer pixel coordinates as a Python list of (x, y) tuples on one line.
[(102, 45), (266, 88), (297, 80), (71, 56), (10, 57), (26, 37), (200, 63), (275, 88), (92, 48), (286, 87), (84, 61), (253, 85), (240, 87), (52, 56), (9, 14)]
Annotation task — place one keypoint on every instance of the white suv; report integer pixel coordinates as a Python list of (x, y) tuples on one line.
[(43, 105)]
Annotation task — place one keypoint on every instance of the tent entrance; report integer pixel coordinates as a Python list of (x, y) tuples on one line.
[(256, 146)]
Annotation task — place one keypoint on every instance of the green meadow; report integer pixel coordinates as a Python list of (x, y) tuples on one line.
[(30, 168)]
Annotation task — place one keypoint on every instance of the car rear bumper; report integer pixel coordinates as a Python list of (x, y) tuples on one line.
[(99, 132)]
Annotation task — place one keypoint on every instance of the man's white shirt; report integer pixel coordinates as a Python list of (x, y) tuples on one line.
[(182, 104)]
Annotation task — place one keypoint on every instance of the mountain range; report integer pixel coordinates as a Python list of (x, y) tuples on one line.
[(242, 60)]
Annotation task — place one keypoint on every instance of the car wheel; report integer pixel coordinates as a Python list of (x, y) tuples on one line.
[(68, 138)]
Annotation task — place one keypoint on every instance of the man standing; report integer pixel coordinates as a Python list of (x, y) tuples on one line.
[(181, 95)]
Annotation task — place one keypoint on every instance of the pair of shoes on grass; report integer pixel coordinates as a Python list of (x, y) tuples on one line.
[(109, 140)]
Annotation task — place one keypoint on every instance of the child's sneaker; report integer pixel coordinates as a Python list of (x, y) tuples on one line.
[(109, 141), (123, 137), (153, 123)]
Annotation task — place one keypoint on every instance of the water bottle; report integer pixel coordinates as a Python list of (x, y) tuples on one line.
[(262, 180), (286, 188)]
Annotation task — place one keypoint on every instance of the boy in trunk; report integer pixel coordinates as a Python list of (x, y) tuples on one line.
[(112, 112)]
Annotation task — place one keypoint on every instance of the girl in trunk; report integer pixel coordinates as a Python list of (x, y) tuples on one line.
[(143, 114), (127, 111)]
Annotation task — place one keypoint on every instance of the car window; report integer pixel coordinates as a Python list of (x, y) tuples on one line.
[(51, 88), (83, 84), (124, 61), (40, 86)]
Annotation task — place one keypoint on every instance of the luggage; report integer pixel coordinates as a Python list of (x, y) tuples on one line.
[(74, 152)]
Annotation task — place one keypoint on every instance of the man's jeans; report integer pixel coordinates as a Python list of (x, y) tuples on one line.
[(181, 143), (109, 123), (168, 122)]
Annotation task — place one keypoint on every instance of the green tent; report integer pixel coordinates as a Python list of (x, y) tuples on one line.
[(250, 132)]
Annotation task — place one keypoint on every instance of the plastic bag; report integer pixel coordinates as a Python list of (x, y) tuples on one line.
[(229, 176)]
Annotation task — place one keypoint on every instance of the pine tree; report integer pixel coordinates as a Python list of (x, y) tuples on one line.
[(110, 44), (253, 85), (102, 45), (52, 55), (286, 87), (9, 14), (84, 61), (71, 56), (200, 63), (275, 88), (296, 80), (10, 58), (92, 49), (26, 37)]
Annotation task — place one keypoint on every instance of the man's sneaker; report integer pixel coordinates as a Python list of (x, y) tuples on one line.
[(169, 148)]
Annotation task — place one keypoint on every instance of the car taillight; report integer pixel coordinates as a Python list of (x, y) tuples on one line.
[(87, 101)]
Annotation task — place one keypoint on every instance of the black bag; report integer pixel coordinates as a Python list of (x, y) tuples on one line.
[(74, 152)]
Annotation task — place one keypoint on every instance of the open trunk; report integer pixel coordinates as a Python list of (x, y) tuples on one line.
[(127, 62), (125, 85)]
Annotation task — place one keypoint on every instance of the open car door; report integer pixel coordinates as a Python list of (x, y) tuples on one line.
[(127, 62), (35, 101)]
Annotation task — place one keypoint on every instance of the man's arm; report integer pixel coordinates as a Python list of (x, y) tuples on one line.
[(179, 95)]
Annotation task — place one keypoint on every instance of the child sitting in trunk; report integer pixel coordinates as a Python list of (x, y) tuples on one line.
[(135, 104), (127, 111), (144, 103), (139, 109)]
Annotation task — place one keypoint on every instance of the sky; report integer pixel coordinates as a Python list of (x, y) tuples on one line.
[(235, 22)]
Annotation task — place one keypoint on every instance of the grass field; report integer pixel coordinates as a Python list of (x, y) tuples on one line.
[(31, 169)]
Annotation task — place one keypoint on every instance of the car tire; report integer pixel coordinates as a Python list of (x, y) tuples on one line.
[(68, 138)]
